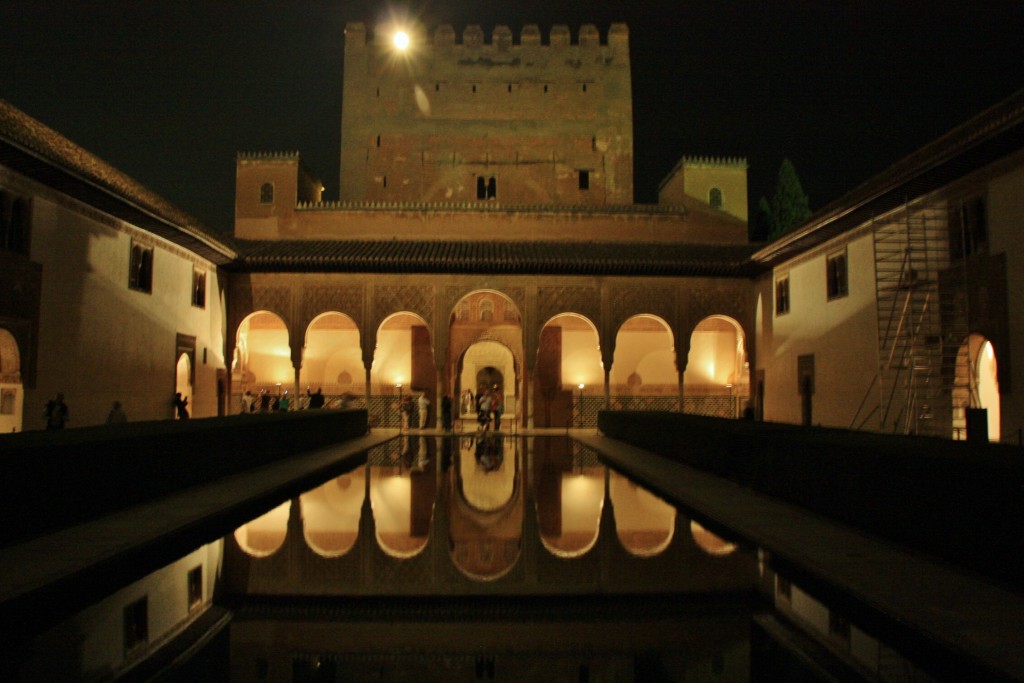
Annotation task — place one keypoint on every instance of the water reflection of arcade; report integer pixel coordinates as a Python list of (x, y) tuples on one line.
[(433, 515)]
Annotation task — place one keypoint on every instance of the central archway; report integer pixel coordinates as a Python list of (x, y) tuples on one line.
[(485, 351)]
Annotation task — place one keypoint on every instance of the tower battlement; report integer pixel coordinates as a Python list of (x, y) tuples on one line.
[(501, 39), (455, 117)]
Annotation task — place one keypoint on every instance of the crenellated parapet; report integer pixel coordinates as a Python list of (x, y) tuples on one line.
[(715, 161), (460, 114), (268, 156), (501, 38)]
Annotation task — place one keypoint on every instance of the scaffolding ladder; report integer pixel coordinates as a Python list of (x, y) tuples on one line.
[(914, 378)]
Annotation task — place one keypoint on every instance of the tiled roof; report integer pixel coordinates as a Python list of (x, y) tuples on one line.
[(984, 139), (514, 258), (39, 152)]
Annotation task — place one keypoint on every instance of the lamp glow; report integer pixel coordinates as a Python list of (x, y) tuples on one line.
[(401, 40)]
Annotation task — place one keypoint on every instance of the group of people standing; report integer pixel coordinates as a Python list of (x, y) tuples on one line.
[(490, 405)]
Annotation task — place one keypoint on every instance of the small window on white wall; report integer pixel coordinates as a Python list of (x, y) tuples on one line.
[(198, 289), (836, 271), (782, 295), (140, 268)]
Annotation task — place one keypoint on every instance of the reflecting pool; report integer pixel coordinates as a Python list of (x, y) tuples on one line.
[(485, 558)]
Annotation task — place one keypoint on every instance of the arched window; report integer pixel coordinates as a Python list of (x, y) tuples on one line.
[(486, 311), (267, 193), (715, 198)]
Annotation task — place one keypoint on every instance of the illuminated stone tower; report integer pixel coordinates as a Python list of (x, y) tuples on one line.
[(518, 123)]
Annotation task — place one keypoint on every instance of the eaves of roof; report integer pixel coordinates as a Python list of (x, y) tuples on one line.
[(510, 258), (40, 153), (981, 141)]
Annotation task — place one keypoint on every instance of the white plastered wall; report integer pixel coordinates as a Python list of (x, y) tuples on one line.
[(100, 341), (842, 334)]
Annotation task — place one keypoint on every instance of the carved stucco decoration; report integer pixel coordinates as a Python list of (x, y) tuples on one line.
[(395, 298), (347, 299), (276, 299), (702, 299), (626, 302), (568, 299)]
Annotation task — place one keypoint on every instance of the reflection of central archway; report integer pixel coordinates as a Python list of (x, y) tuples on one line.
[(486, 542)]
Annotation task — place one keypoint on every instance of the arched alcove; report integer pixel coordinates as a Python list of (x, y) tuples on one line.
[(403, 367), (643, 374), (976, 387), (262, 361), (12, 395), (332, 360), (568, 357), (717, 376)]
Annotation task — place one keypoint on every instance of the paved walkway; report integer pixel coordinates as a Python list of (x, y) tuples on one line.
[(975, 627), (51, 577)]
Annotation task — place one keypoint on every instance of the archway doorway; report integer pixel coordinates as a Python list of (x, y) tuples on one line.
[(262, 363), (717, 377), (569, 375), (487, 366), (403, 370), (12, 394), (485, 348), (976, 388), (183, 383)]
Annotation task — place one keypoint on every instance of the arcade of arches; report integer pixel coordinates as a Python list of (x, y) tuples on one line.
[(557, 352)]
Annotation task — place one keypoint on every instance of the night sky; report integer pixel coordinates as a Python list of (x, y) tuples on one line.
[(168, 91)]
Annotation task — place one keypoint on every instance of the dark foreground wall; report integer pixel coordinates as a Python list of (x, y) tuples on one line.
[(961, 502), (49, 480)]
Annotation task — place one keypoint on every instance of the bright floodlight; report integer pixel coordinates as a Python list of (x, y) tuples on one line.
[(401, 40)]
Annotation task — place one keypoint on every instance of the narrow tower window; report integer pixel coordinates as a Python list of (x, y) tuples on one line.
[(267, 193), (715, 198), (584, 180)]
